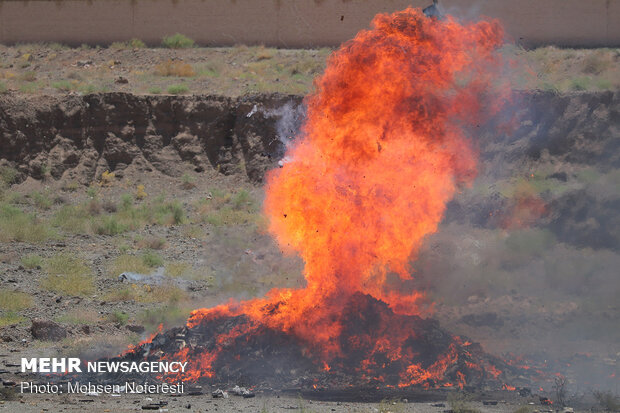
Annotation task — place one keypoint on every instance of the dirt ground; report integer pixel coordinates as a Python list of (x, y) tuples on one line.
[(235, 71), (261, 403)]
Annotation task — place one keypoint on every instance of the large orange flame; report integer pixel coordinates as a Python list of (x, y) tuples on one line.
[(382, 150)]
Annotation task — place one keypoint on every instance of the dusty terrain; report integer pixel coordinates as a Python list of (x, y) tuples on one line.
[(235, 71), (94, 185)]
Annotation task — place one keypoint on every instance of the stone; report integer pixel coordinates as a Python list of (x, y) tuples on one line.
[(47, 330)]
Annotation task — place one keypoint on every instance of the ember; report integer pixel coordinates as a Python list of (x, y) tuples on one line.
[(382, 150)]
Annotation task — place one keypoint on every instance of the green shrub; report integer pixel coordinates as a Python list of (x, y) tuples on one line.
[(63, 85), (178, 216), (177, 89), (31, 261), (152, 259), (41, 200), (8, 176), (177, 41), (3, 88), (580, 83), (16, 225), (88, 89), (109, 225), (72, 219), (119, 317), (241, 199), (155, 90), (153, 317)]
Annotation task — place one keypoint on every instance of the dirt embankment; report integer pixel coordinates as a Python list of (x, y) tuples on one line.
[(80, 137)]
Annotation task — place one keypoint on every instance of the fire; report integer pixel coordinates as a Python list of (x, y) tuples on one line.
[(382, 150)]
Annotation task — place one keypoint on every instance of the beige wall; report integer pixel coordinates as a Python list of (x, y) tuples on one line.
[(290, 23)]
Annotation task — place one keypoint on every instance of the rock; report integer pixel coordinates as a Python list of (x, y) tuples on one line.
[(242, 391), (47, 330), (219, 394), (135, 328), (121, 80)]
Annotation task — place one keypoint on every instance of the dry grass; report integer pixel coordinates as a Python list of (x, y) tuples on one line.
[(179, 269), (80, 316), (235, 71), (174, 68), (229, 208), (14, 300), (15, 225), (129, 263), (144, 293), (154, 243), (562, 70), (10, 318), (31, 261), (68, 275)]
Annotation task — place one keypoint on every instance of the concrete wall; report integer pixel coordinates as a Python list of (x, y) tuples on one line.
[(290, 23)]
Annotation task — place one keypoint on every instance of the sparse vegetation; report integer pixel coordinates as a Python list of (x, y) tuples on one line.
[(31, 261), (178, 269), (140, 192), (154, 243), (129, 44), (64, 85), (223, 209), (168, 315), (174, 68), (8, 318), (69, 275), (15, 225), (41, 200), (109, 225), (107, 178), (79, 317), (14, 300), (145, 293), (152, 259), (141, 264), (187, 182), (177, 41), (118, 317), (129, 263), (8, 176), (177, 89)]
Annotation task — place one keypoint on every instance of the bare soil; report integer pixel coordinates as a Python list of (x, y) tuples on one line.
[(234, 71)]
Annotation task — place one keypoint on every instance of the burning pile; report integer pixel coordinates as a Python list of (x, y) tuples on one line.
[(381, 152)]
